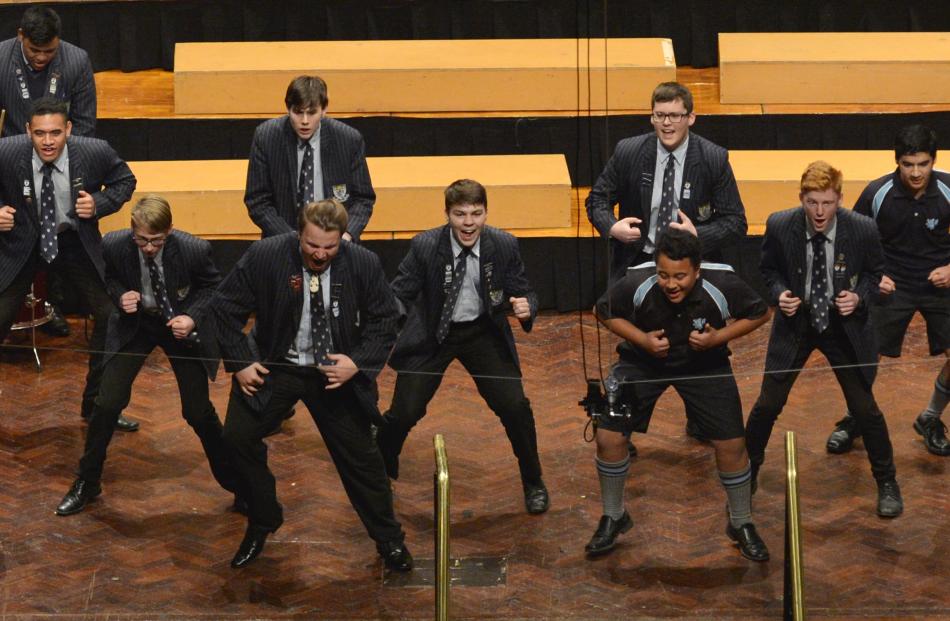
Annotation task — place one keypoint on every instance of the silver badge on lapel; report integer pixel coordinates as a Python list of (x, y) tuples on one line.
[(496, 296), (336, 308), (27, 188), (314, 283), (53, 83), (704, 212), (183, 292), (686, 190), (340, 193)]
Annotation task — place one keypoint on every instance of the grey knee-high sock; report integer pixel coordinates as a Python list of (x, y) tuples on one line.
[(613, 479), (938, 401), (738, 486)]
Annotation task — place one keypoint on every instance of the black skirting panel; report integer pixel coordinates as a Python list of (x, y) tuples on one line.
[(567, 273), (142, 34), (585, 142)]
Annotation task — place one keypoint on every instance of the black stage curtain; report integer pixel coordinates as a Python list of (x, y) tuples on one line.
[(141, 35), (586, 142), (567, 273)]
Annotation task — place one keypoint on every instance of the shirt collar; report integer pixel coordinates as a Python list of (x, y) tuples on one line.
[(157, 258), (679, 153), (457, 247), (830, 233), (60, 164)]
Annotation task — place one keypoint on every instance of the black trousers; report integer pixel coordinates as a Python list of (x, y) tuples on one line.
[(345, 428), (72, 264), (486, 356), (834, 344), (120, 371)]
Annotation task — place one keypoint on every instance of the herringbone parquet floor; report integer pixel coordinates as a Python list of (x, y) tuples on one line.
[(156, 545)]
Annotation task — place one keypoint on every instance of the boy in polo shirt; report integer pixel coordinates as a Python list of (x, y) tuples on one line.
[(676, 317)]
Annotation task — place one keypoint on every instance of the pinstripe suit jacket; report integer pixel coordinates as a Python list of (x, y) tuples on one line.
[(190, 280), (421, 286), (271, 191), (75, 84), (94, 167), (783, 265), (363, 311), (713, 203)]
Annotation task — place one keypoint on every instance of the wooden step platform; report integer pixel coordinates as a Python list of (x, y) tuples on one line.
[(525, 192), (530, 195), (839, 67), (423, 76)]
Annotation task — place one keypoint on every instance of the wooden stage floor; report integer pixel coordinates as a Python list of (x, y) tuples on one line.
[(156, 545)]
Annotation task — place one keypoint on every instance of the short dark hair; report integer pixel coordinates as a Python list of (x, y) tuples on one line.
[(678, 244), (671, 91), (49, 105), (329, 214), (40, 24), (305, 92), (915, 139), (465, 192)]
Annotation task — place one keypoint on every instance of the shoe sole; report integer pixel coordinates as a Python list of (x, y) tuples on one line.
[(601, 551), (920, 431)]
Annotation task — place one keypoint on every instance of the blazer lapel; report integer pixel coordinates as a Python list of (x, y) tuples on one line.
[(327, 162), (646, 181), (171, 266), (797, 243), (76, 177), (444, 265), (338, 278), (689, 171), (30, 193), (486, 264), (132, 265), (290, 153)]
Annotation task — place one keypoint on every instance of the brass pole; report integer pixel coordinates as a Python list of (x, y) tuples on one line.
[(3, 119), (794, 569), (441, 530)]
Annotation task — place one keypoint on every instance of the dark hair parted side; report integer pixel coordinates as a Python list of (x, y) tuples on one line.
[(40, 24), (306, 92), (677, 244), (915, 139), (465, 192)]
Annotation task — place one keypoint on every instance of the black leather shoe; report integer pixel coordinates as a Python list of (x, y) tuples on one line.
[(396, 556), (536, 498), (251, 545), (842, 438), (605, 537), (79, 495), (748, 541), (126, 424), (693, 431), (934, 433), (889, 501), (57, 324)]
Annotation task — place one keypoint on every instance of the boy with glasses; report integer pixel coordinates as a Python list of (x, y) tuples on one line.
[(161, 280)]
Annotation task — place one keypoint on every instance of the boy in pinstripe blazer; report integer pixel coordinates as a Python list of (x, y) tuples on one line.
[(54, 188), (305, 156), (162, 281), (325, 323), (459, 283), (669, 169), (822, 266), (35, 64), (677, 316)]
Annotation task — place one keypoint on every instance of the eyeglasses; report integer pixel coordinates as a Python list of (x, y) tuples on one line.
[(674, 117), (142, 242)]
